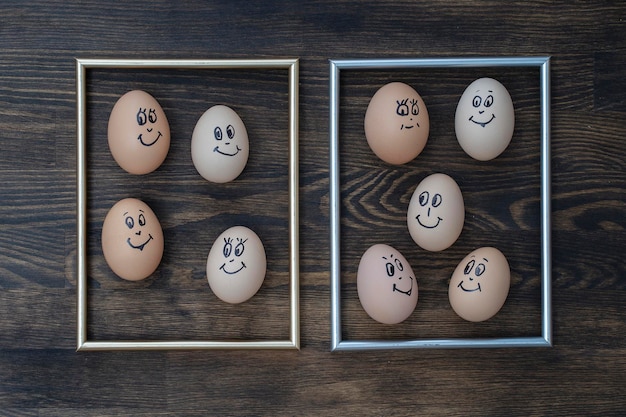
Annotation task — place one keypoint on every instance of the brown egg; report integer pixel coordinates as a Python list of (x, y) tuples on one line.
[(480, 284), (436, 213), (132, 239), (138, 132), (396, 123), (236, 265), (386, 284)]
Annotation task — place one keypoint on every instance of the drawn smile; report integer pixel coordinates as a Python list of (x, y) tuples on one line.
[(466, 290), (395, 288), (223, 268), (140, 137), (140, 247), (217, 149), (483, 124), (439, 219)]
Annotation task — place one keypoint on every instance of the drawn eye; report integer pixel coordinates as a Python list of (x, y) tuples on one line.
[(130, 223), (230, 131), (469, 267), (414, 108), (437, 200), (228, 249), (218, 133), (399, 265), (423, 198), (152, 115), (489, 101), (142, 220), (403, 108), (141, 117), (480, 269), (477, 100), (390, 269), (239, 249)]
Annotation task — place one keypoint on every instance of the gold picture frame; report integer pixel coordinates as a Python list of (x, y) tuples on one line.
[(82, 67)]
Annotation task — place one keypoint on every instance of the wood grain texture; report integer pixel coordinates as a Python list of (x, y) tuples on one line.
[(42, 375)]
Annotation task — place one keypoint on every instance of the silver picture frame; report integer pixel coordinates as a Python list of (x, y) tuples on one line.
[(82, 66), (338, 65)]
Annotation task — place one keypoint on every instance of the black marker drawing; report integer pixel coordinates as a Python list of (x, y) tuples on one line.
[(236, 252), (480, 269), (424, 198), (130, 223), (142, 119), (476, 102), (391, 266)]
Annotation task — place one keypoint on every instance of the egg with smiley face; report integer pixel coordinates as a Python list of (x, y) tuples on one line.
[(236, 265), (484, 119), (436, 212), (219, 145), (480, 284), (396, 123), (386, 284), (138, 133), (132, 239)]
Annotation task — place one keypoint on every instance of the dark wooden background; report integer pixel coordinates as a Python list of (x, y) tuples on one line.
[(42, 374)]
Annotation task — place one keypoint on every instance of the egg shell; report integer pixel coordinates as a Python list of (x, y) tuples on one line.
[(220, 145), (480, 284), (396, 123), (138, 133), (436, 213), (236, 265), (386, 284), (484, 119), (132, 239)]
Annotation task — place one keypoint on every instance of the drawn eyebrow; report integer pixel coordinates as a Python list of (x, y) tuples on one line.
[(125, 213), (485, 259), (491, 91), (141, 210)]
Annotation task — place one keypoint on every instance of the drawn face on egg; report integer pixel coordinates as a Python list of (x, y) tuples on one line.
[(140, 234), (225, 141), (482, 102), (436, 212), (146, 120), (480, 284), (395, 270), (220, 145), (429, 216), (233, 252), (408, 109), (471, 274)]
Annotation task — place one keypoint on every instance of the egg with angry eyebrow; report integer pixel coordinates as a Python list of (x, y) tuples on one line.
[(219, 145), (386, 285), (236, 265), (132, 239), (480, 284)]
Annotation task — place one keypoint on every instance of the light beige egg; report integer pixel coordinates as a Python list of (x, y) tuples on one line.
[(236, 265), (219, 145), (484, 119), (436, 213), (138, 133), (132, 239), (480, 284), (396, 123), (386, 284)]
